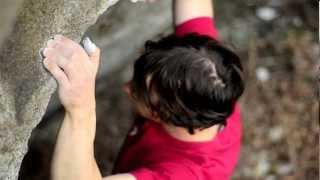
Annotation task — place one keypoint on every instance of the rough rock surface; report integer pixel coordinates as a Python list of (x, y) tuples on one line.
[(8, 13), (25, 87), (120, 33)]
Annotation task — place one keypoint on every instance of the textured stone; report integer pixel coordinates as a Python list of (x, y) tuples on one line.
[(8, 13), (25, 87), (120, 33)]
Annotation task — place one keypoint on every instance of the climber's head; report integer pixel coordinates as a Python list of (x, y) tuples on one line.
[(189, 81)]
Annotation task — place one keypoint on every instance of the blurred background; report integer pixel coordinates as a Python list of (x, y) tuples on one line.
[(279, 47)]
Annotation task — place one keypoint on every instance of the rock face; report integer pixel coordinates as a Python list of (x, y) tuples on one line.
[(25, 87), (8, 13), (120, 33)]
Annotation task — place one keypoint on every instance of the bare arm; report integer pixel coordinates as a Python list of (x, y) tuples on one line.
[(120, 177), (74, 154), (185, 10), (75, 72)]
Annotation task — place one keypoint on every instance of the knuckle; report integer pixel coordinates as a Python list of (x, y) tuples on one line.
[(73, 54), (58, 36), (56, 44), (61, 38), (50, 43)]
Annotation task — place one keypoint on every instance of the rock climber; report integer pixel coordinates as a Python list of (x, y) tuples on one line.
[(185, 87)]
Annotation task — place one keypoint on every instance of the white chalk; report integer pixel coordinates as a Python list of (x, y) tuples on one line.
[(88, 45), (135, 1), (41, 53), (267, 13), (262, 74)]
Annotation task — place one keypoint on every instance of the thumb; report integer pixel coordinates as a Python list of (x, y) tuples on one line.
[(92, 50)]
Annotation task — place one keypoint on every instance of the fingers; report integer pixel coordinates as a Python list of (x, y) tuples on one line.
[(55, 57), (70, 57), (95, 56), (64, 45), (65, 49), (57, 73), (92, 50), (66, 41), (89, 46)]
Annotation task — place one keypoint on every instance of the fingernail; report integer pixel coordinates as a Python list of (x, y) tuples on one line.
[(88, 45)]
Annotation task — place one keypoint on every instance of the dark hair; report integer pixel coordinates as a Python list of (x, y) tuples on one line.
[(195, 79)]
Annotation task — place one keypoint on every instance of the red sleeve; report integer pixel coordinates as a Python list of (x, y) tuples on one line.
[(200, 25), (166, 171)]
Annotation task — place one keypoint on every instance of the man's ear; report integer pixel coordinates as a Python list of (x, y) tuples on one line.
[(126, 87)]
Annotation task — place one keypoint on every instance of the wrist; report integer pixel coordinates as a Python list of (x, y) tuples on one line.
[(80, 100), (81, 111), (81, 107), (87, 112), (81, 116), (81, 122)]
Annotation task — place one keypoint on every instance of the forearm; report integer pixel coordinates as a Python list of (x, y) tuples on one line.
[(184, 10), (74, 151)]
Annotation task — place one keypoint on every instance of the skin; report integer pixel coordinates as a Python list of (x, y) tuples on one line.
[(75, 72)]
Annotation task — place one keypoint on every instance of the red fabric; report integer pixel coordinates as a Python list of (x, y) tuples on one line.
[(150, 153), (201, 25)]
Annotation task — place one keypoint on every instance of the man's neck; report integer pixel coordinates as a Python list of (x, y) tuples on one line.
[(182, 134)]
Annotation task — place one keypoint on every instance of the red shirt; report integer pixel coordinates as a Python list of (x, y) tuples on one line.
[(150, 153)]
